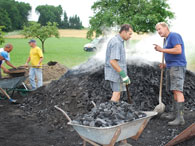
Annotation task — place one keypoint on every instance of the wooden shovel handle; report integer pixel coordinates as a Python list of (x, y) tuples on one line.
[(128, 95), (161, 76)]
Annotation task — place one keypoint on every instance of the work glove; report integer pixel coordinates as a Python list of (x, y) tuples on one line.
[(124, 77)]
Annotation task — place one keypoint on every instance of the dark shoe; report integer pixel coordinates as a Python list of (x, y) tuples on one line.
[(172, 114), (179, 119)]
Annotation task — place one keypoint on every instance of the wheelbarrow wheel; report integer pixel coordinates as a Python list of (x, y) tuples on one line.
[(23, 93)]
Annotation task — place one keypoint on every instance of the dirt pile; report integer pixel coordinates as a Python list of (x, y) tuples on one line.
[(51, 71), (75, 90), (109, 114)]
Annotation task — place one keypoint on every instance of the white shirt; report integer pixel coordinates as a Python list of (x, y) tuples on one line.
[(1, 50)]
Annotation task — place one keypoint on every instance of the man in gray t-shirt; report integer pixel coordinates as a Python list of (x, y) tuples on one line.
[(115, 65)]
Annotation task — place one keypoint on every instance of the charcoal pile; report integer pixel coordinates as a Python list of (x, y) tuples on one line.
[(75, 90), (109, 114)]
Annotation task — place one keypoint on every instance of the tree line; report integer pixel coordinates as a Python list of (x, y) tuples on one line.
[(141, 14), (48, 13), (14, 16)]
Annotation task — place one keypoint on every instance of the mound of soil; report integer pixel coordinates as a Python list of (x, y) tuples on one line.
[(52, 71), (78, 87)]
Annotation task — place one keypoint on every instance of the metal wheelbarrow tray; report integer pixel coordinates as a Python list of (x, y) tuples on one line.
[(10, 83), (104, 135)]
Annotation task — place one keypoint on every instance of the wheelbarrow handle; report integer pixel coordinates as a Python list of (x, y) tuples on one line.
[(10, 99), (93, 103), (64, 113)]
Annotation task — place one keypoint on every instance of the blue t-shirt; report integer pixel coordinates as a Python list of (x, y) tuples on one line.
[(174, 59)]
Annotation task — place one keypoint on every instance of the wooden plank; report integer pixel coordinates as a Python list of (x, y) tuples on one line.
[(186, 134), (141, 129), (89, 141), (115, 137)]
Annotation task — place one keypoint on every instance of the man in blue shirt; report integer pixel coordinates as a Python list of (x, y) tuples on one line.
[(8, 48), (4, 57), (115, 65), (175, 69)]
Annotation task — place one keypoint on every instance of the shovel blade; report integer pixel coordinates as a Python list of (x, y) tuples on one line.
[(160, 108)]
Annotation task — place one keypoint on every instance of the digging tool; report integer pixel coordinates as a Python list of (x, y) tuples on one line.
[(10, 99), (161, 106), (128, 95)]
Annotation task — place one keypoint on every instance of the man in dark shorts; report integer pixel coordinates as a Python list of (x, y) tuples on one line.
[(115, 64), (175, 69)]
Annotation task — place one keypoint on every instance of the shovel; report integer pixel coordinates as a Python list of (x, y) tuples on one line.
[(128, 95), (10, 99), (161, 106)]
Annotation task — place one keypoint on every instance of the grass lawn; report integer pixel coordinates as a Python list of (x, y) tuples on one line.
[(67, 51)]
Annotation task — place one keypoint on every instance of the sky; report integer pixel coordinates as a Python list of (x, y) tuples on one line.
[(82, 8)]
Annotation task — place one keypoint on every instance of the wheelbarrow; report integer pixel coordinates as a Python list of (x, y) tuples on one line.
[(108, 136), (13, 84)]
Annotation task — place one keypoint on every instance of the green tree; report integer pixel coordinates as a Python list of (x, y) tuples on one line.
[(16, 11), (24, 11), (5, 20), (75, 22), (65, 22), (141, 14), (49, 14), (35, 30), (1, 35)]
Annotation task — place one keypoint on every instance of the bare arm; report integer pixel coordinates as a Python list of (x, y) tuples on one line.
[(115, 65), (176, 50), (28, 60), (9, 63), (5, 70), (41, 59)]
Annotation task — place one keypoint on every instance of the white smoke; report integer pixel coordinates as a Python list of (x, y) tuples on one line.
[(143, 51)]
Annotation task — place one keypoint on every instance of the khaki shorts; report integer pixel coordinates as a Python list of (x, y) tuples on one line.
[(175, 77), (117, 86)]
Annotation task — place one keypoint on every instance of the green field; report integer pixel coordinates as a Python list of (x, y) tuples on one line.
[(67, 51)]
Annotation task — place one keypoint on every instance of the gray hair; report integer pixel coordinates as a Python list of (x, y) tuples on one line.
[(163, 24)]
